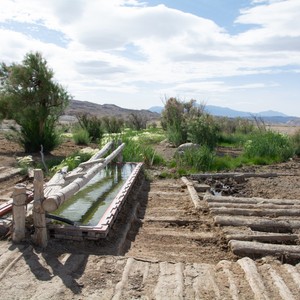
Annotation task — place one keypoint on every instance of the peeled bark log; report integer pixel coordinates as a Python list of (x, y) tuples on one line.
[(228, 175), (243, 248), (52, 202), (39, 219), (264, 237), (259, 212), (230, 199), (213, 205), (275, 225), (19, 199), (193, 193)]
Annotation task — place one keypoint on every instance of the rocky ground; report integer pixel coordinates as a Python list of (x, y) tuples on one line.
[(160, 247)]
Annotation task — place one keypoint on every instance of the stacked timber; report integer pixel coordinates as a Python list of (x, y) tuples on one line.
[(258, 226), (66, 188)]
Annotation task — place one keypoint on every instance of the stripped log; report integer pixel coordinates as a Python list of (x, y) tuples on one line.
[(39, 219), (254, 200), (251, 206), (19, 199), (238, 175), (269, 237), (56, 182), (245, 248), (192, 192), (52, 202), (259, 212), (271, 225), (62, 178)]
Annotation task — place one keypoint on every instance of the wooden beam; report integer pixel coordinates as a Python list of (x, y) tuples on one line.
[(19, 212), (40, 236)]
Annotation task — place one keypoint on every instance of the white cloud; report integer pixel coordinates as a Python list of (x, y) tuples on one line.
[(122, 46)]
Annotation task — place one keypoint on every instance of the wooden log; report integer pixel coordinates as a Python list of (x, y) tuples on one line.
[(251, 206), (254, 200), (19, 213), (229, 175), (91, 162), (40, 236), (260, 224), (53, 201), (245, 248), (56, 182), (264, 237), (192, 192), (260, 212)]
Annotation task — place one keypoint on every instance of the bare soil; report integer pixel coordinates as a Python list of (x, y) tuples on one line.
[(160, 246)]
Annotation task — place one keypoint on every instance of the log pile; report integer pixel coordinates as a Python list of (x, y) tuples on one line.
[(257, 226)]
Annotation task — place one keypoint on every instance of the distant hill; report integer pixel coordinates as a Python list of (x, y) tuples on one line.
[(100, 110), (269, 116)]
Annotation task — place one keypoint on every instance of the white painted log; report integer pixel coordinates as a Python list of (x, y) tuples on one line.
[(193, 193), (260, 212), (245, 248), (19, 212), (52, 202), (40, 236), (254, 200)]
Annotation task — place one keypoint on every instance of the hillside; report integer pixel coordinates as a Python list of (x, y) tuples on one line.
[(79, 107)]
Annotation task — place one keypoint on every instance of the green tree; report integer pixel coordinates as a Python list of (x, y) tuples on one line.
[(30, 96)]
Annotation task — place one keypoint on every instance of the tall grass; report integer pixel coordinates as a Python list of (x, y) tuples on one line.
[(267, 147)]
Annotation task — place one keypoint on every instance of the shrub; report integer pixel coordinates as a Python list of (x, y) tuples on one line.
[(81, 137), (296, 142), (269, 147), (112, 124), (91, 124), (200, 159), (203, 131), (137, 121)]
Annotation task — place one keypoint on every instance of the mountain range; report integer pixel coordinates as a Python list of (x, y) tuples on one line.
[(269, 116), (77, 107)]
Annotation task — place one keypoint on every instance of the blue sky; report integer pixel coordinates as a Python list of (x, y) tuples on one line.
[(242, 54)]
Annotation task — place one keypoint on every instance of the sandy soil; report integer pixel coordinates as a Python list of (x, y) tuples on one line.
[(160, 247)]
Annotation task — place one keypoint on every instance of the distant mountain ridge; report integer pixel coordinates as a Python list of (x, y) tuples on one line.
[(100, 110), (269, 116)]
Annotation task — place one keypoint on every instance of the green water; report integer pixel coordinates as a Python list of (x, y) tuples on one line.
[(88, 205)]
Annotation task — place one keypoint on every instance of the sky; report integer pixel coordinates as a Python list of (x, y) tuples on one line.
[(241, 54)]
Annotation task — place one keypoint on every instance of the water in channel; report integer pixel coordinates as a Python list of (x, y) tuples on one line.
[(88, 205)]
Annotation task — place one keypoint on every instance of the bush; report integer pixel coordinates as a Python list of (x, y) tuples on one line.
[(137, 121), (296, 142), (112, 124), (137, 152), (91, 124), (81, 137), (203, 131), (200, 159), (267, 147)]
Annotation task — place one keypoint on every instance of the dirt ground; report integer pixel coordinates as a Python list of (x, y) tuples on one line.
[(168, 250)]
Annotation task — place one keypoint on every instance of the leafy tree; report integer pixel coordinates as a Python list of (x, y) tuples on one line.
[(30, 96)]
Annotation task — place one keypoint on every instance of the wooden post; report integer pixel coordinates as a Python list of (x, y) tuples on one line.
[(19, 212), (39, 219)]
